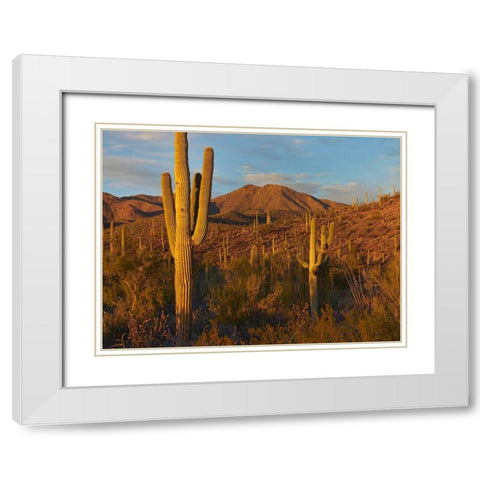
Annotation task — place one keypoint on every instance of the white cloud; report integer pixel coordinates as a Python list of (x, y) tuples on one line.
[(126, 172), (261, 179), (146, 136), (342, 187), (296, 181)]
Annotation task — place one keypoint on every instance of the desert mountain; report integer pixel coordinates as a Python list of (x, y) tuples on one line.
[(276, 198), (248, 199), (127, 209)]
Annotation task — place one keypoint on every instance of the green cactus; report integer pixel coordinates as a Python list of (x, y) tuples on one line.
[(182, 232), (318, 258)]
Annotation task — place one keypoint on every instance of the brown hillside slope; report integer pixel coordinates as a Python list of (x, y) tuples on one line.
[(245, 200), (369, 230), (252, 199), (127, 209)]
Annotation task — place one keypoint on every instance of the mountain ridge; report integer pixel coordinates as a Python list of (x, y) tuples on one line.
[(248, 199)]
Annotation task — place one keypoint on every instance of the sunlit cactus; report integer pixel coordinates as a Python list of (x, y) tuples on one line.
[(186, 226), (317, 259), (111, 238), (308, 217), (269, 218), (122, 241), (266, 260), (254, 258)]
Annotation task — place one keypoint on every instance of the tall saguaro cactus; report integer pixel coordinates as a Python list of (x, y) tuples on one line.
[(317, 258), (186, 218)]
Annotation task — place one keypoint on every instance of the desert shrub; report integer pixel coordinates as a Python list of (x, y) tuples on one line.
[(134, 299), (212, 335)]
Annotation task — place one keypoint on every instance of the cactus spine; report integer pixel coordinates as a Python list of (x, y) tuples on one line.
[(317, 258), (181, 231)]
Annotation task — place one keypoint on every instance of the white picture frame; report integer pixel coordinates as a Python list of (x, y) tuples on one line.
[(39, 396)]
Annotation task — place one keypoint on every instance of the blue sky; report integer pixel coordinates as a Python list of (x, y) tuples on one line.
[(333, 167)]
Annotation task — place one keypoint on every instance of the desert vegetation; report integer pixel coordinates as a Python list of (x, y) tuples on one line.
[(274, 267)]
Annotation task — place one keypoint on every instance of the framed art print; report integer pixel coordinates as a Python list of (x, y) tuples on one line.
[(197, 240)]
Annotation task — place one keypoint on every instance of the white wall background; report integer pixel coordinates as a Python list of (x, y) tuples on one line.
[(410, 35)]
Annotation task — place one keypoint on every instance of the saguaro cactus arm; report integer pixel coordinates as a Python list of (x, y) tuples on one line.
[(204, 198), (197, 180), (325, 241), (331, 233), (169, 207), (317, 258), (254, 259), (303, 263)]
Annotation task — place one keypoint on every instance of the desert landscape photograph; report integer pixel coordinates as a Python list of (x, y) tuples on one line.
[(230, 239)]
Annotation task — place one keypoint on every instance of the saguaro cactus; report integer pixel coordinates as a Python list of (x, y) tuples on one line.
[(317, 258), (186, 218), (254, 259), (122, 241), (111, 238)]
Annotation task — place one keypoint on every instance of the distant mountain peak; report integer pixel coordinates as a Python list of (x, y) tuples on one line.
[(274, 197), (248, 199)]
